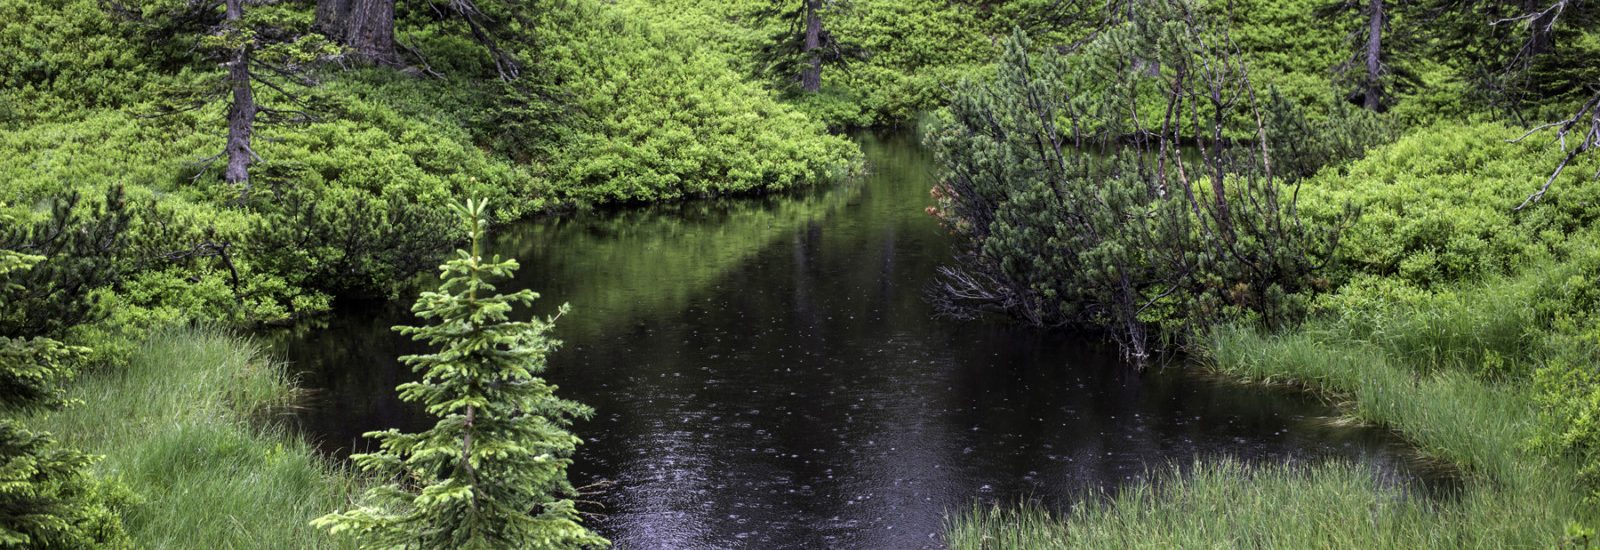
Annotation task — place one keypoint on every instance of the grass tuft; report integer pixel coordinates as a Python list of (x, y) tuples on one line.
[(1225, 504), (184, 427)]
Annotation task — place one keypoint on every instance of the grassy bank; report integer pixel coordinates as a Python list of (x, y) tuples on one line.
[(181, 428), (1513, 497), (1227, 505), (1469, 328)]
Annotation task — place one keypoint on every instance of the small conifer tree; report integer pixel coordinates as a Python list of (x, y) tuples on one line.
[(492, 472), (47, 499)]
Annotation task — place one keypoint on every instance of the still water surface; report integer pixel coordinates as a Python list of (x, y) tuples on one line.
[(767, 374)]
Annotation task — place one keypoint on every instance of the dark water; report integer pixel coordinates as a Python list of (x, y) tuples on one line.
[(767, 374)]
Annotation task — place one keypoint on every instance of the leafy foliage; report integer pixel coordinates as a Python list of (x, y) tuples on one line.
[(1437, 206), (668, 119), (82, 247), (897, 56), (492, 472)]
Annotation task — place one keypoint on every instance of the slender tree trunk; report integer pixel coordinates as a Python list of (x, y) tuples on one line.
[(1219, 175), (1374, 89), (811, 77), (365, 27), (1541, 39), (1152, 67), (242, 112)]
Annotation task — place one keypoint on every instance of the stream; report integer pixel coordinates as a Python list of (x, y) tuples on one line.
[(766, 373)]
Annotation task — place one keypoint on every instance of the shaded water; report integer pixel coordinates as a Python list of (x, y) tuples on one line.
[(767, 374)]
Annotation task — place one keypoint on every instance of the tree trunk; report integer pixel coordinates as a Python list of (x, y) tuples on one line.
[(1541, 39), (1374, 87), (242, 112), (811, 77), (365, 27)]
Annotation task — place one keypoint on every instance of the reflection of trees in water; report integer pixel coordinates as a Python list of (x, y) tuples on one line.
[(624, 264)]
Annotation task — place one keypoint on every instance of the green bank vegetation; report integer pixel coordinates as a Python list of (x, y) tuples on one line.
[(1451, 307), (186, 439), (1220, 503), (354, 171), (1474, 376)]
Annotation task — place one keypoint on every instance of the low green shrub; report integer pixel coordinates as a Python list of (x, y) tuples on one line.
[(1437, 206), (909, 52), (667, 118)]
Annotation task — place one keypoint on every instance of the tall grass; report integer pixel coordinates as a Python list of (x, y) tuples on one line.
[(183, 427), (1449, 414), (1228, 505)]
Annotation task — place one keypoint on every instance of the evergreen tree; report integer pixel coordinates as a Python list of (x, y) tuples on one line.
[(800, 51), (47, 499), (265, 54), (82, 246), (492, 473)]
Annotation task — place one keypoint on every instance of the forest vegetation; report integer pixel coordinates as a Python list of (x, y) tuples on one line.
[(1390, 205)]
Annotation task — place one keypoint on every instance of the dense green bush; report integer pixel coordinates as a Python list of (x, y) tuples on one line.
[(61, 56), (912, 53), (1502, 328), (668, 118), (1437, 206), (1568, 389), (916, 51), (908, 52), (188, 236), (1566, 301), (1073, 207)]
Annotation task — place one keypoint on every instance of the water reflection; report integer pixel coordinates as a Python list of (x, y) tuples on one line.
[(767, 374)]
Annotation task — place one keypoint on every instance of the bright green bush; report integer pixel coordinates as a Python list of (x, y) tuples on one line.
[(911, 51), (1437, 205), (60, 56), (347, 180), (667, 118), (917, 51)]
